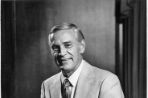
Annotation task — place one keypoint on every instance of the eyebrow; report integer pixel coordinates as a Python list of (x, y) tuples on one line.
[(67, 42)]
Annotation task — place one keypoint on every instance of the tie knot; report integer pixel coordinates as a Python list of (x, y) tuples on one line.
[(67, 83), (66, 89)]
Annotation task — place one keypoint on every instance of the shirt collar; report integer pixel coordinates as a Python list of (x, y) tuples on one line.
[(74, 77)]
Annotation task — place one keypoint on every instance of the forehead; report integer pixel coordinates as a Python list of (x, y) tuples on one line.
[(65, 35)]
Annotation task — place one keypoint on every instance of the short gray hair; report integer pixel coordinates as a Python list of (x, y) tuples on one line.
[(66, 26)]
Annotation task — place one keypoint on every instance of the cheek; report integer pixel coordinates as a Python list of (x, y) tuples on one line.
[(76, 54), (72, 52), (55, 56)]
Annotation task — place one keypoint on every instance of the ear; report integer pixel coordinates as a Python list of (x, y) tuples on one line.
[(82, 46), (50, 48), (51, 51)]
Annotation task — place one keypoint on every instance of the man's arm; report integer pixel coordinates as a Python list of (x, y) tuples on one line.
[(111, 88), (44, 91)]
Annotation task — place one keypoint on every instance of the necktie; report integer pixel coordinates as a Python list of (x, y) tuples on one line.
[(67, 89)]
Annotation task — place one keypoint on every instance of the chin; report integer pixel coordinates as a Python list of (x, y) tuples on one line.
[(65, 68), (62, 66)]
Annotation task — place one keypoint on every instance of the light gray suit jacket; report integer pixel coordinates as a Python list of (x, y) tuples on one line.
[(92, 83)]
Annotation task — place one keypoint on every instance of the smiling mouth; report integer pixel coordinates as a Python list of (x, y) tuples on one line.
[(64, 59)]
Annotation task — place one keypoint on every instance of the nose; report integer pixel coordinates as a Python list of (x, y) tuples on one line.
[(62, 51)]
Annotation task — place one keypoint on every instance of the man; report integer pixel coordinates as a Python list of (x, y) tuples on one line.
[(77, 79)]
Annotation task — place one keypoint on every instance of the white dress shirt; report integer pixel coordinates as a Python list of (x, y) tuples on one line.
[(73, 78)]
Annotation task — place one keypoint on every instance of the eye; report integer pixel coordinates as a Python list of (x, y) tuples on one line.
[(55, 48), (68, 45)]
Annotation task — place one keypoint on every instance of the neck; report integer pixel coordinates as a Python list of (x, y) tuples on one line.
[(67, 74)]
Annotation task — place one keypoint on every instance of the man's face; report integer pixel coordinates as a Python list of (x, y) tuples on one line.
[(67, 50)]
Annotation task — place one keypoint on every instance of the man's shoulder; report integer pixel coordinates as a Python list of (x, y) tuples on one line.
[(52, 79), (102, 73), (99, 73)]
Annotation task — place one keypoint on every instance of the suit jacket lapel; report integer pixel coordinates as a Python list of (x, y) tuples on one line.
[(84, 82)]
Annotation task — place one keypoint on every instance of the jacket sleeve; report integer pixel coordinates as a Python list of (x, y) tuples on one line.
[(45, 93), (42, 91), (111, 88)]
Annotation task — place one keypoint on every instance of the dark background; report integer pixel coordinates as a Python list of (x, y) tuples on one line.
[(26, 58)]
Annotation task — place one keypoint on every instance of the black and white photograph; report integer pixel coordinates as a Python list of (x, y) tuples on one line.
[(73, 49)]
